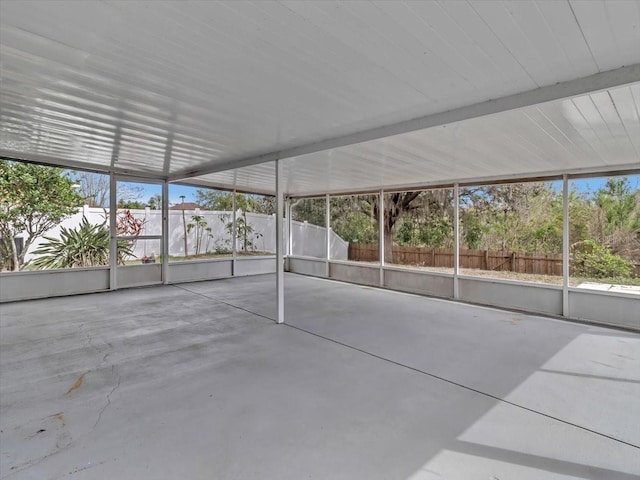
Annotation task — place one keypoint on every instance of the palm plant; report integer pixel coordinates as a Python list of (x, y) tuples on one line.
[(84, 246), (202, 228)]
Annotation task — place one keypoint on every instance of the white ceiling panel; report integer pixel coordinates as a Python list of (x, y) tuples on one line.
[(163, 88), (610, 26), (590, 132)]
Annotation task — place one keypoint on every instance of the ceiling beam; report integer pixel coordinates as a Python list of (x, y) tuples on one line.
[(571, 88), (548, 176)]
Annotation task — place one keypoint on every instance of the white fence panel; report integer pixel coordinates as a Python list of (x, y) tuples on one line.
[(308, 240)]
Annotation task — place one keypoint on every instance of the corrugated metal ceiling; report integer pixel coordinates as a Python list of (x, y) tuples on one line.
[(599, 131), (158, 88)]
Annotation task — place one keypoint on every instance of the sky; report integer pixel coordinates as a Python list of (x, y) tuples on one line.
[(583, 185), (148, 190)]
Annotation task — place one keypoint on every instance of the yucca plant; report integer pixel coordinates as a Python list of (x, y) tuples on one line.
[(84, 246)]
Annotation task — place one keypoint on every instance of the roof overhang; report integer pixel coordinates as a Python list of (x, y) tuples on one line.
[(349, 96)]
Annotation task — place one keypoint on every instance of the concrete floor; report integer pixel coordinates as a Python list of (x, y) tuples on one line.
[(193, 382)]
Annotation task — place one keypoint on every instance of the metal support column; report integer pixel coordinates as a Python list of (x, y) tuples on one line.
[(113, 236), (234, 235), (565, 245), (165, 232), (381, 235), (327, 222), (279, 243), (289, 232), (456, 241)]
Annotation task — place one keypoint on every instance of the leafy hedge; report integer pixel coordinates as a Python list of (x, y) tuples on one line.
[(592, 260)]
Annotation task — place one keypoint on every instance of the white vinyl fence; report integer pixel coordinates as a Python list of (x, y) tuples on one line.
[(308, 240)]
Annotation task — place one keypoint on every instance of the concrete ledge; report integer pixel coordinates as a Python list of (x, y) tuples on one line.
[(419, 282), (308, 259), (420, 271), (521, 296), (138, 275), (52, 283), (621, 310), (546, 286), (361, 274), (200, 270), (255, 265), (308, 266)]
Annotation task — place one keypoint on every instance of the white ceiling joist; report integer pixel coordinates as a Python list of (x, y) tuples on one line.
[(475, 181), (593, 83)]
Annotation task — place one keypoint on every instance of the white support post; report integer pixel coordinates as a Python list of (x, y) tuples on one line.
[(113, 236), (381, 236), (456, 242), (565, 245), (279, 243), (289, 232), (165, 232), (234, 235), (327, 222)]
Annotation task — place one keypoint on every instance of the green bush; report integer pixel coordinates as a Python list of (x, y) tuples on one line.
[(593, 260)]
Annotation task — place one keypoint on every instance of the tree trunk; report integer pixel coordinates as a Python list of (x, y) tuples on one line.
[(245, 236), (14, 255), (184, 224), (388, 245)]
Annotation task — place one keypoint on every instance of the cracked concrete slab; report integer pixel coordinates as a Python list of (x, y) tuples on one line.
[(186, 382)]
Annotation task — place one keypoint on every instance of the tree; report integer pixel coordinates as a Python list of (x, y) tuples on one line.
[(616, 220), (523, 217), (428, 221), (311, 210), (131, 204), (356, 218), (223, 201), (244, 232), (33, 199), (396, 205), (155, 202), (184, 228), (215, 199), (352, 218), (94, 189), (201, 227)]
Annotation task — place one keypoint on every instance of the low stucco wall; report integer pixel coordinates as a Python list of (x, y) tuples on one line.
[(52, 283), (605, 308)]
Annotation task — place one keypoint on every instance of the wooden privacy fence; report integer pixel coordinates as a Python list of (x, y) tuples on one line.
[(538, 263)]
